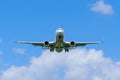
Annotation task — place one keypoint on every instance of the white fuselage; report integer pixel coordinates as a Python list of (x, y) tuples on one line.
[(59, 41), (59, 35)]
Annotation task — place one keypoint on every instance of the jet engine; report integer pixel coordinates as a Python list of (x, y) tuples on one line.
[(72, 44), (46, 43)]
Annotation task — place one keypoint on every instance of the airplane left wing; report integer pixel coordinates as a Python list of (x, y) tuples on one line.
[(33, 43)]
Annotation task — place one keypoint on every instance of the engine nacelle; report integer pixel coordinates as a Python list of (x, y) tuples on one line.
[(72, 43), (46, 43)]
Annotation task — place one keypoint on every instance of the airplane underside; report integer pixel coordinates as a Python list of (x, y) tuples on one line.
[(59, 50), (59, 47)]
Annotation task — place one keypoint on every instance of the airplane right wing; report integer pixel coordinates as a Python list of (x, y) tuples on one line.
[(76, 44), (85, 43)]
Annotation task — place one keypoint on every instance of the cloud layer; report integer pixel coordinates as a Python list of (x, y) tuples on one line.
[(101, 7), (79, 64)]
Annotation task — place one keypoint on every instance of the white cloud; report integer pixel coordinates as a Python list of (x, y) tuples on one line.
[(78, 64), (101, 7), (19, 50)]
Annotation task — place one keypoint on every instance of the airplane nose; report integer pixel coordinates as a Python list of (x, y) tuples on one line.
[(60, 30)]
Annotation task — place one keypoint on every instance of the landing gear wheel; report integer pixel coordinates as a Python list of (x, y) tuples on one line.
[(66, 50), (51, 50)]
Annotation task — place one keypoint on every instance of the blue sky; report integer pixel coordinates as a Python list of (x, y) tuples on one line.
[(82, 20)]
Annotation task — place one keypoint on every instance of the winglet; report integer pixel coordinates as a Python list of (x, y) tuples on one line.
[(16, 41), (100, 42), (21, 42)]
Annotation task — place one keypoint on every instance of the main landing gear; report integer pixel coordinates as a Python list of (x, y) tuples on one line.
[(67, 50), (52, 50)]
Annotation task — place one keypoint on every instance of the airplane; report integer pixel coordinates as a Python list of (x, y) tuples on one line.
[(59, 44)]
